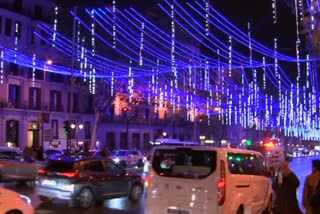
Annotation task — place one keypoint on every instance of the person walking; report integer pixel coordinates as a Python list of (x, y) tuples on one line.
[(285, 187), (310, 189)]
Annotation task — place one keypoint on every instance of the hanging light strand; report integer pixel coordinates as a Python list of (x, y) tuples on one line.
[(141, 44), (230, 56), (264, 73), (16, 40), (274, 11), (2, 68), (33, 70), (207, 18), (114, 27), (55, 26)]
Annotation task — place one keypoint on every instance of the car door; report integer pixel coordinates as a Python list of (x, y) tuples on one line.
[(28, 168), (94, 171), (7, 166), (260, 182), (117, 182)]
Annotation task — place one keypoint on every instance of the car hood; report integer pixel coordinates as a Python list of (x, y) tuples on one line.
[(114, 157), (8, 193)]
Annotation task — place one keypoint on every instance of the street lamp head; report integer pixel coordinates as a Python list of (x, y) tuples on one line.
[(80, 126), (164, 134), (49, 62)]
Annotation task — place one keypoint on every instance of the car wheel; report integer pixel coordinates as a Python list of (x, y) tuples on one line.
[(268, 210), (140, 163), (45, 199), (14, 212), (1, 177), (85, 198), (136, 192), (240, 210)]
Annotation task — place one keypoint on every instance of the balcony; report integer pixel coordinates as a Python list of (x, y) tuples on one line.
[(56, 108), (26, 12)]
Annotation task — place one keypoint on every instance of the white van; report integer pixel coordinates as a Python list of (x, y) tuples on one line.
[(206, 180)]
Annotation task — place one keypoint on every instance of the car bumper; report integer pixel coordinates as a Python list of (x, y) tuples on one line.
[(54, 193)]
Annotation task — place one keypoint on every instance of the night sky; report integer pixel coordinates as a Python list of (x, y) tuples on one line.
[(240, 12)]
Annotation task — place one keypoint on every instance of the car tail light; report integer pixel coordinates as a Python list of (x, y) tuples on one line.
[(272, 172), (42, 172), (148, 181), (222, 184), (69, 174)]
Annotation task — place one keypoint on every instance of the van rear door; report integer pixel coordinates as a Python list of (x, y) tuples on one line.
[(184, 179)]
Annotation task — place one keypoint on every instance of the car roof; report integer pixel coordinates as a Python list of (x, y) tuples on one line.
[(211, 148), (12, 149), (70, 158)]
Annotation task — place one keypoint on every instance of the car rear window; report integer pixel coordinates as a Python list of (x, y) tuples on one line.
[(120, 153), (246, 164), (184, 163), (61, 166)]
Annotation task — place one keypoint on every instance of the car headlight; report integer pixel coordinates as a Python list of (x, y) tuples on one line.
[(67, 187), (26, 199), (116, 160)]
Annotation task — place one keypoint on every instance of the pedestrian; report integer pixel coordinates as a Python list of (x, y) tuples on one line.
[(40, 153), (285, 187), (310, 187)]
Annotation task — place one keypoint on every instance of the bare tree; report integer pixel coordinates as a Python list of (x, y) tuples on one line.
[(103, 101)]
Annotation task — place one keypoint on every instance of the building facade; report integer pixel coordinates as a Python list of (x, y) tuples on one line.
[(32, 113)]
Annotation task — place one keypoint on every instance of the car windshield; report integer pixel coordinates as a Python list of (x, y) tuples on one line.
[(60, 166), (10, 155), (120, 153), (184, 163)]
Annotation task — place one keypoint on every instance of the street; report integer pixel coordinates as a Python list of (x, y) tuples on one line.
[(301, 166)]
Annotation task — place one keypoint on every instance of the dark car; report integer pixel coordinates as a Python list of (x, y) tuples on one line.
[(51, 152), (84, 181)]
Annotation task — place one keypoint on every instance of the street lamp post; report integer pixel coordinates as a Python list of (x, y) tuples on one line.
[(80, 127)]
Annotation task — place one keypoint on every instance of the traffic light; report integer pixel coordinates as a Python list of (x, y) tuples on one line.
[(249, 142), (66, 127)]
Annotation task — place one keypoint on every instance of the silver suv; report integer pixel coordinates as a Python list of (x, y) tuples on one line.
[(128, 158)]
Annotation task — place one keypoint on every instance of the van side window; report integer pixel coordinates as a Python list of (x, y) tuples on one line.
[(246, 164)]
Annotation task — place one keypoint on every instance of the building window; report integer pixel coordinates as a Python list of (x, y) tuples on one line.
[(87, 130), (0, 24), (8, 27), (90, 99), (35, 98), (17, 5), (39, 74), (55, 101), (56, 78), (14, 69), (32, 35), (75, 105), (14, 95), (55, 129), (38, 12), (43, 36), (12, 131), (18, 26)]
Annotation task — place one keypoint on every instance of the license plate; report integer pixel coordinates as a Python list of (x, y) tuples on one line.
[(176, 211), (49, 183)]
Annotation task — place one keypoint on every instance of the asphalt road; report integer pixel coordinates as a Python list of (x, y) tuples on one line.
[(114, 206), (301, 166)]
